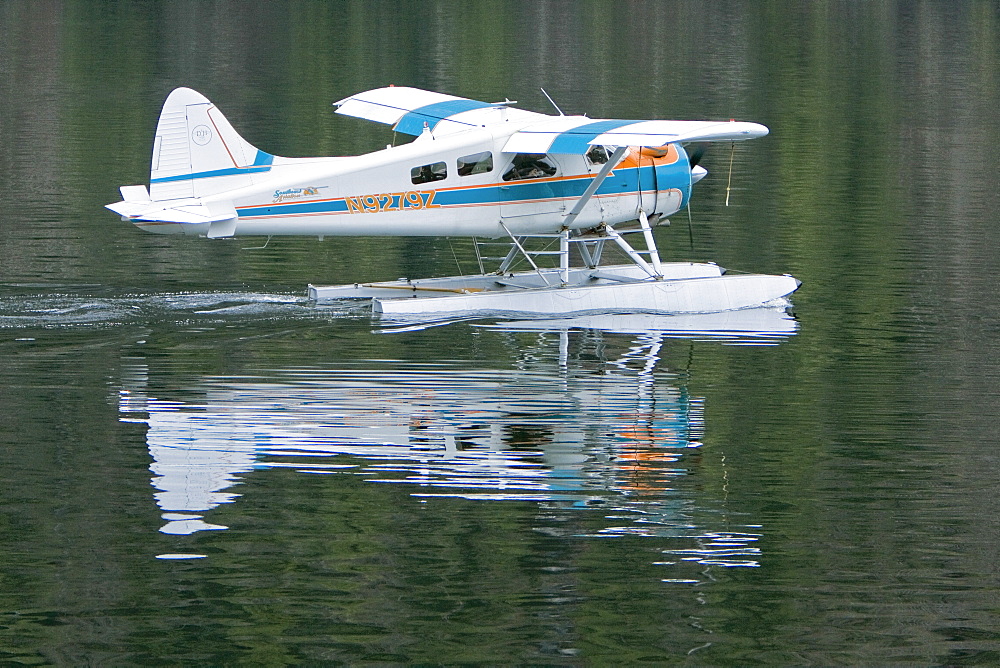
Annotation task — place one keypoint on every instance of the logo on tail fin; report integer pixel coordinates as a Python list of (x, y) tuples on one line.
[(201, 135)]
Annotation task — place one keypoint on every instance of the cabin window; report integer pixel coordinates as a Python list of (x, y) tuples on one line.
[(477, 163), (436, 171), (598, 155), (529, 166)]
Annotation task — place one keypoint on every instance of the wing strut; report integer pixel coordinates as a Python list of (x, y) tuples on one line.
[(594, 185), (654, 271)]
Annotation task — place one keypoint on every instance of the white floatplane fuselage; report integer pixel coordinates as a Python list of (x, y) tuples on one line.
[(474, 169)]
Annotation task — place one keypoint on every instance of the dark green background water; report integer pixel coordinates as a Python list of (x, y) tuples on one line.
[(476, 493)]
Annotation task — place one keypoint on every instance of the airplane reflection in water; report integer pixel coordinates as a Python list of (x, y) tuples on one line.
[(582, 427)]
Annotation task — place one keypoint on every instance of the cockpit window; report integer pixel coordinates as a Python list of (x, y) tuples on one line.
[(477, 163), (598, 155), (529, 166), (437, 171)]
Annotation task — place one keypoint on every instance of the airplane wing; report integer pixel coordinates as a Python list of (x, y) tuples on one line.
[(409, 109), (576, 134)]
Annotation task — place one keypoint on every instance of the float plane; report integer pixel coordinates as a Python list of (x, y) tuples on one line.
[(492, 171)]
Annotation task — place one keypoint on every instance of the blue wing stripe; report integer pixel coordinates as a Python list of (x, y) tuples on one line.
[(575, 140), (412, 123)]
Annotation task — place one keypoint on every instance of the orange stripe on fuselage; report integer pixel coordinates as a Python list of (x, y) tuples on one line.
[(634, 158)]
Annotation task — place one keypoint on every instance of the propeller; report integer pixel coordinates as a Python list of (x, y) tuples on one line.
[(694, 157)]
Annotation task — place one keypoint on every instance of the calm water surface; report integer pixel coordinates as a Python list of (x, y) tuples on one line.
[(199, 466)]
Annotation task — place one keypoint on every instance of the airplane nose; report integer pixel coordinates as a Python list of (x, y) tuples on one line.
[(698, 173)]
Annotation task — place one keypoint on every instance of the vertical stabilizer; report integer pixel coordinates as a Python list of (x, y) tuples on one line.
[(198, 153)]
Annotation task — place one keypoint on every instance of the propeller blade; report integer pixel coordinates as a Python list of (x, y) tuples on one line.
[(694, 157)]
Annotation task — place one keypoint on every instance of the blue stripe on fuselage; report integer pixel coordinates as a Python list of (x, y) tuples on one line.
[(622, 181), (412, 123), (291, 209)]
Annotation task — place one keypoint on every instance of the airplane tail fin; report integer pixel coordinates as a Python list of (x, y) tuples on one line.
[(197, 152)]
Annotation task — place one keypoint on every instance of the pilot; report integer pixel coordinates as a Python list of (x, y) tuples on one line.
[(528, 166)]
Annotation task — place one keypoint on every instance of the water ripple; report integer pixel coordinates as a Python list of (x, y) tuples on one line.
[(70, 309)]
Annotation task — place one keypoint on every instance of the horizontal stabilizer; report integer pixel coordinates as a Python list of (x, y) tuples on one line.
[(191, 211)]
